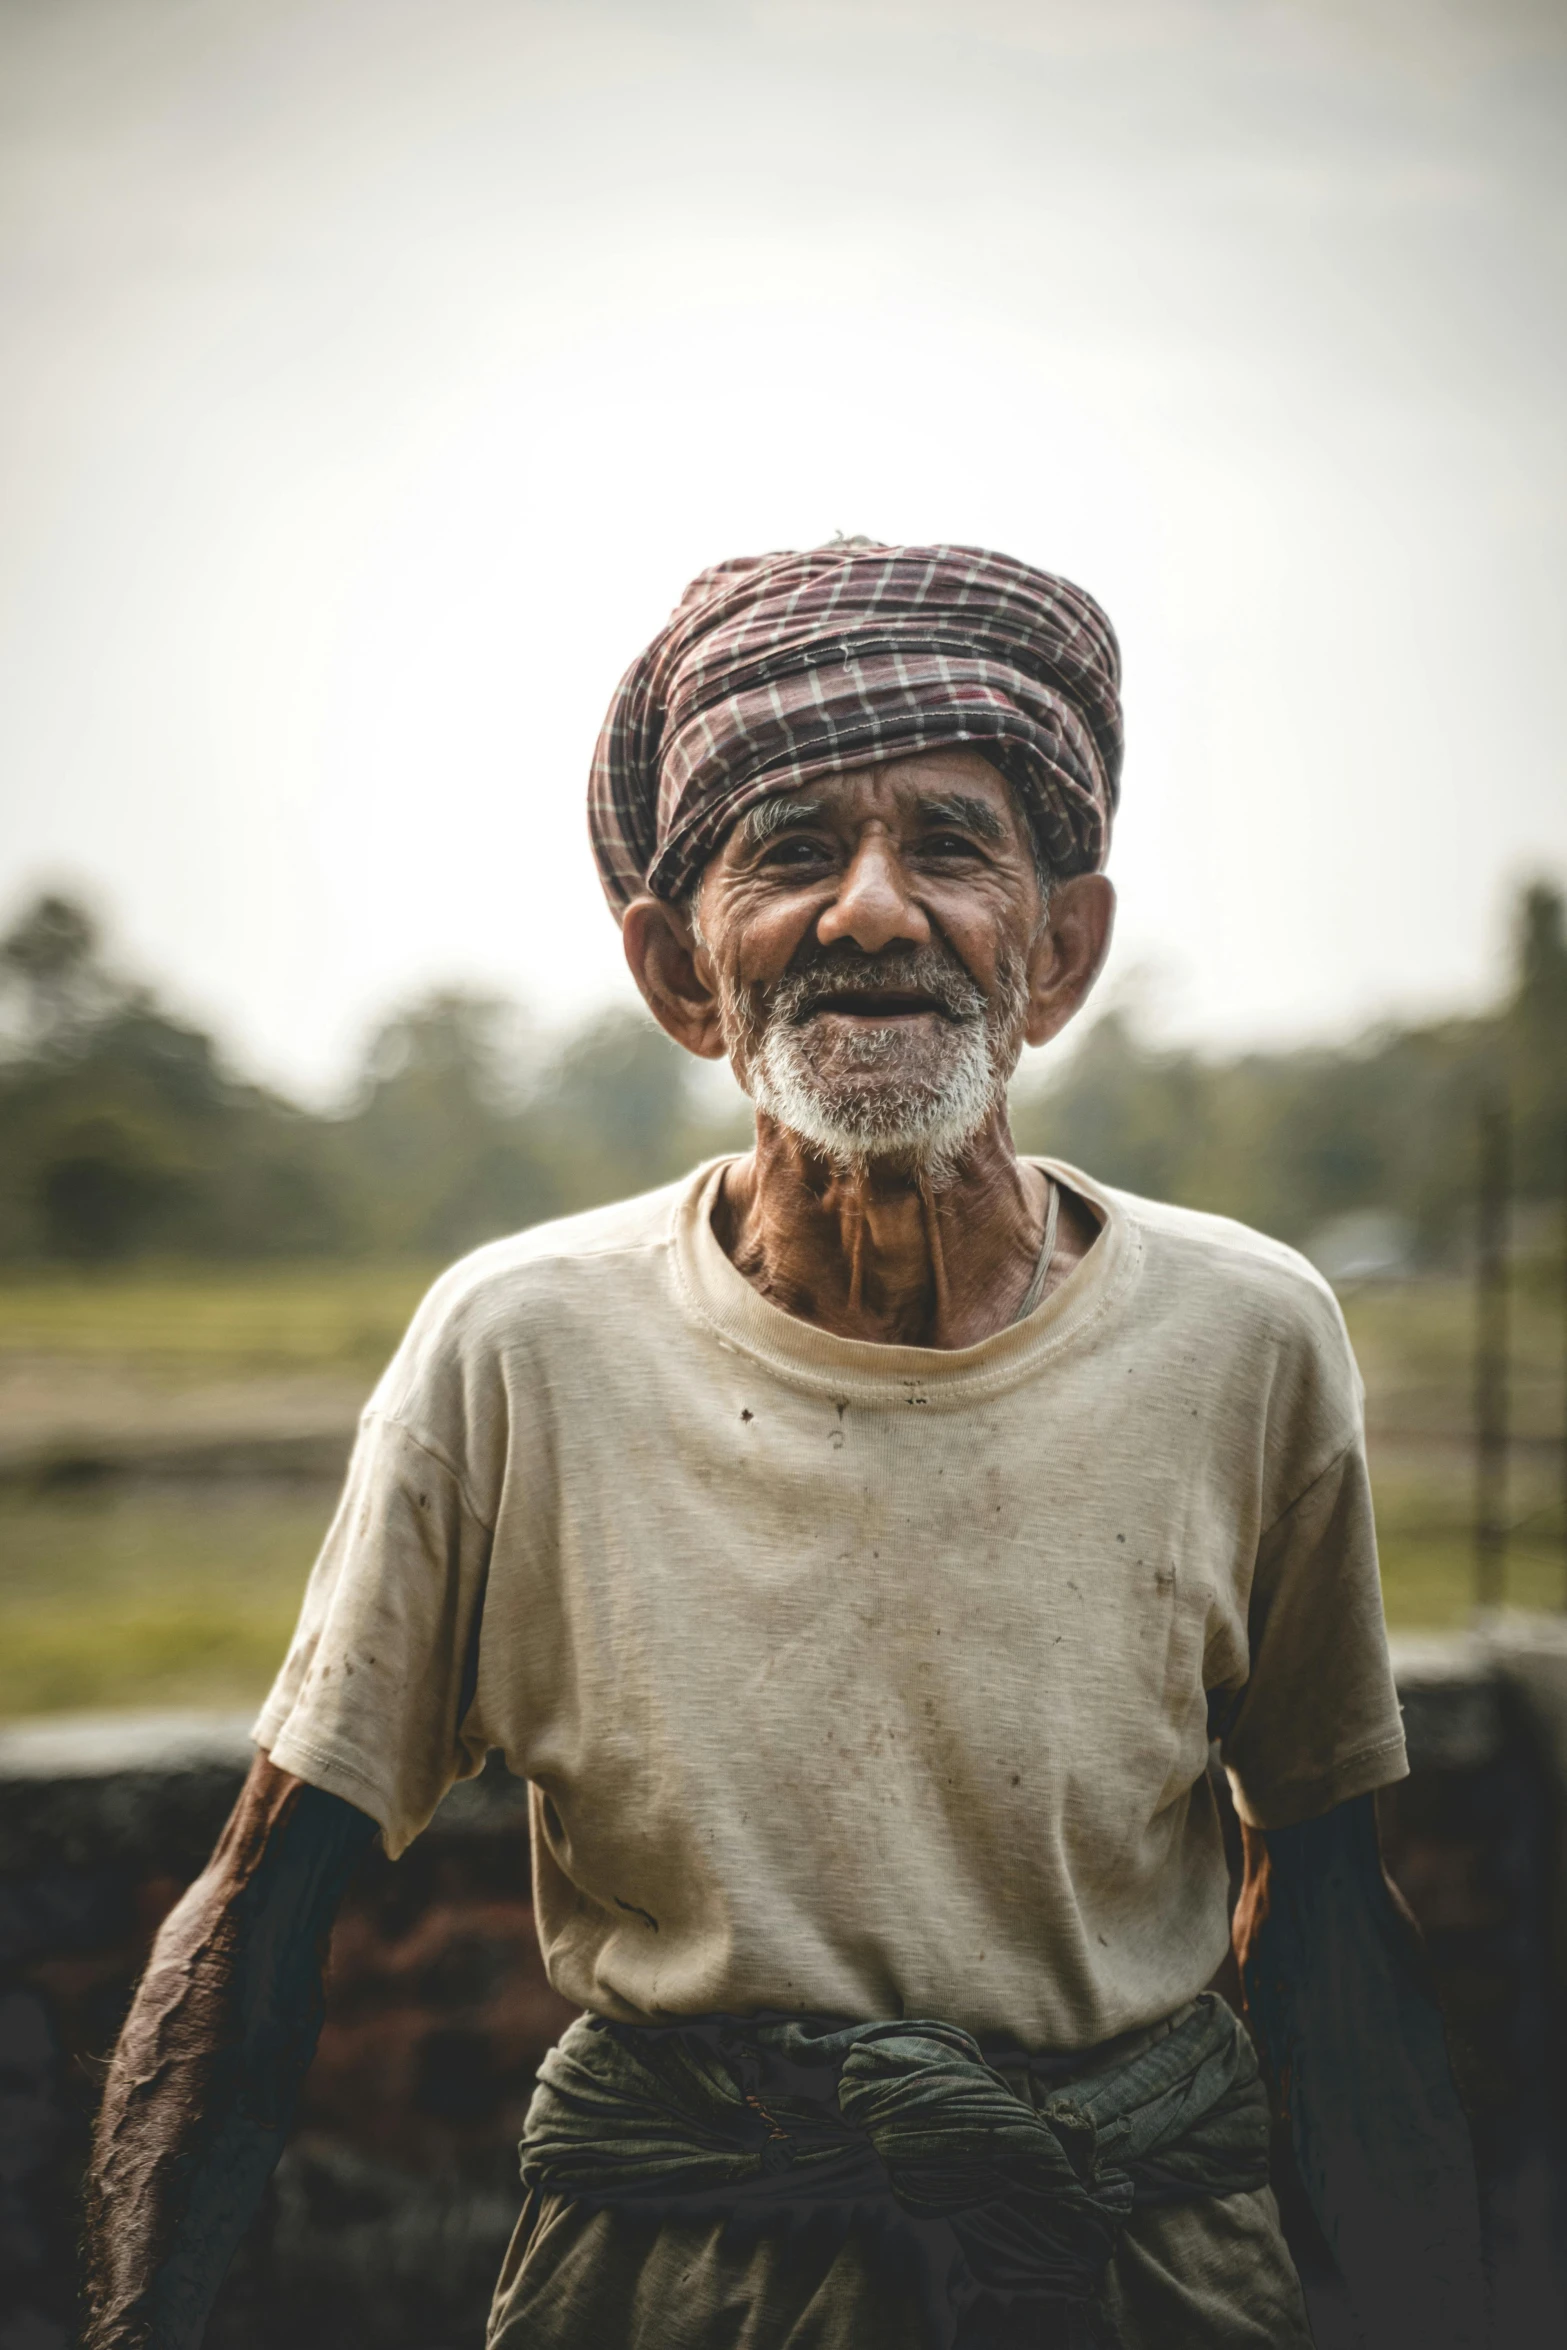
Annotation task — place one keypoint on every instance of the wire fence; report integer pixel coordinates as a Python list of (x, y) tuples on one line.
[(1501, 1534)]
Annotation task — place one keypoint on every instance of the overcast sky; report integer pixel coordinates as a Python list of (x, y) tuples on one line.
[(377, 371)]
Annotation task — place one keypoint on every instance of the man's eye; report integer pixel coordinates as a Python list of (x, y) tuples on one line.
[(950, 844), (795, 852)]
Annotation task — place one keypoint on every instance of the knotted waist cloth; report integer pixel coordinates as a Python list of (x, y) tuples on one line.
[(1004, 2202)]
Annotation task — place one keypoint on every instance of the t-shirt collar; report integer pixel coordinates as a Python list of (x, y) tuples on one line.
[(719, 1296)]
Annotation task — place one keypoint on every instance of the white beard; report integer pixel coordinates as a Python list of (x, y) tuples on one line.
[(882, 1092), (876, 1110)]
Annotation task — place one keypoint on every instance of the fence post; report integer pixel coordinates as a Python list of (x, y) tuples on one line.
[(1490, 1367)]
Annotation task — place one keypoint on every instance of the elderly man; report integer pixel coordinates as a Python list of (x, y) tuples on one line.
[(856, 1547)]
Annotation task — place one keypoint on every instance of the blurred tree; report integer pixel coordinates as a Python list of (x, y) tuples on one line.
[(103, 1188), (1536, 1042), (616, 1111), (438, 1151), (53, 983), (121, 1134)]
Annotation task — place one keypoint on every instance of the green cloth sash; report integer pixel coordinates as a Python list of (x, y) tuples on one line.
[(1013, 2206)]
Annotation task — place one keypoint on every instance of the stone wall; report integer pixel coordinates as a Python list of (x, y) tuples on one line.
[(393, 2205)]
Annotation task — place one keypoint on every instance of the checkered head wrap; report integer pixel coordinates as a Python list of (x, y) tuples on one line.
[(775, 670)]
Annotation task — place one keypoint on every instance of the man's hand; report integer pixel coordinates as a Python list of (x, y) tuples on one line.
[(203, 2083), (1338, 1987)]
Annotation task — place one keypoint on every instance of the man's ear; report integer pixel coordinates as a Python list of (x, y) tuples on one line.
[(673, 972), (1067, 956)]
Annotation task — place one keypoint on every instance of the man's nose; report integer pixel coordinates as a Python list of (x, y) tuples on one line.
[(873, 905)]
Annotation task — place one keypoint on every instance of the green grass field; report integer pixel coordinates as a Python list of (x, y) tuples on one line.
[(159, 1598), (184, 1594), (298, 1317), (1414, 1342)]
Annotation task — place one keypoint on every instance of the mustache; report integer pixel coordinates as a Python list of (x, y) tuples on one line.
[(822, 972)]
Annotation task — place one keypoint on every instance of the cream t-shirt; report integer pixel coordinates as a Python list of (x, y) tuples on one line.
[(853, 1679)]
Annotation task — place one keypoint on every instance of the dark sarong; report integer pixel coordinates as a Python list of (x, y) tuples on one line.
[(1000, 2205)]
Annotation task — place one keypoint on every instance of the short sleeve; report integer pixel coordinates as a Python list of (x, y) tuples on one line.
[(370, 1700), (1318, 1719)]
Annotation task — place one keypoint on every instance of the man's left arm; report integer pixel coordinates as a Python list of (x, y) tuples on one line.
[(1337, 1984)]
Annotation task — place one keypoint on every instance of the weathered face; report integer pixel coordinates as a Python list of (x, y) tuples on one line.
[(869, 946)]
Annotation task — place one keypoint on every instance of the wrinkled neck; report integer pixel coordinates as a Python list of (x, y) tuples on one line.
[(896, 1255)]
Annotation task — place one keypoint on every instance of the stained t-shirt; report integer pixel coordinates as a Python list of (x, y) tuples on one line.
[(855, 1679)]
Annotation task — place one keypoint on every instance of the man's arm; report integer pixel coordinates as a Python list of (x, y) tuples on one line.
[(1338, 1987), (203, 2083)]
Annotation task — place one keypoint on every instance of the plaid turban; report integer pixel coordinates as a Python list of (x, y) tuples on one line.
[(774, 670)]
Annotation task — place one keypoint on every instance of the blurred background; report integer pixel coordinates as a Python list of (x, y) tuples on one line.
[(376, 377)]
